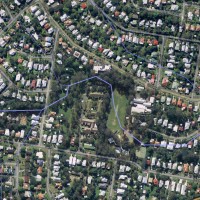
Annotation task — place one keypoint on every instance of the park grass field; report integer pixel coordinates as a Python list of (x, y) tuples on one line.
[(121, 103)]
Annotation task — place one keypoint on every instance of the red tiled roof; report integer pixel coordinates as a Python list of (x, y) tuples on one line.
[(100, 49), (33, 84), (179, 103), (155, 181), (20, 60), (117, 13), (155, 42), (83, 5), (148, 162)]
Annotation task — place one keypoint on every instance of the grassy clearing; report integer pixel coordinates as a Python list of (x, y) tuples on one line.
[(67, 115), (121, 103), (141, 153)]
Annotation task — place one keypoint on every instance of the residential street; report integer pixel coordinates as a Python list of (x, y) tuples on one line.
[(161, 62), (175, 176), (173, 138), (113, 180), (136, 31), (49, 173), (196, 76), (7, 9), (49, 87)]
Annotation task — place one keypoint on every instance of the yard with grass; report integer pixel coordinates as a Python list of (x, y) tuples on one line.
[(121, 103), (141, 153), (67, 115)]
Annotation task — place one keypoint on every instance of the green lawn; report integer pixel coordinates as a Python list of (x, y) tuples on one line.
[(67, 115), (121, 103), (88, 147), (141, 153)]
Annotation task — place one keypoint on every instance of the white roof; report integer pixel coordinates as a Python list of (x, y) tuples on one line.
[(39, 154), (170, 146)]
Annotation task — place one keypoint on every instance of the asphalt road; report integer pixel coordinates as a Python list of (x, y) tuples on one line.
[(173, 176)]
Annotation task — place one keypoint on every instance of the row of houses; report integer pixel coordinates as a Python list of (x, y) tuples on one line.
[(19, 3), (141, 105), (188, 57), (4, 17), (133, 38), (180, 167), (91, 44), (9, 152), (16, 134), (179, 103), (145, 23), (174, 127), (30, 65), (56, 172), (103, 182), (192, 14), (50, 123), (171, 145), (6, 169), (74, 161), (4, 40), (158, 3), (83, 58), (123, 180), (144, 106), (152, 24), (192, 27), (53, 139), (39, 164), (2, 84), (18, 95), (140, 71), (180, 187), (22, 134), (45, 24)]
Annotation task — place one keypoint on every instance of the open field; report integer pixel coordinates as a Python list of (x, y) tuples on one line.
[(121, 104)]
